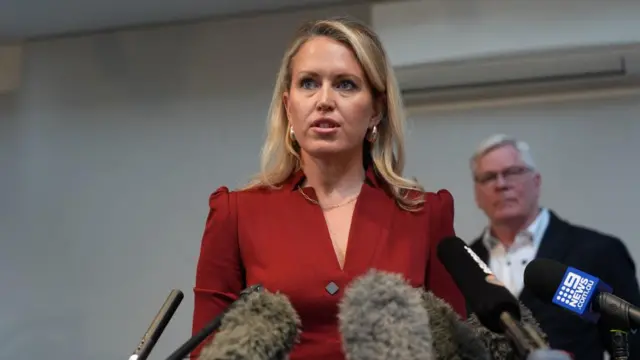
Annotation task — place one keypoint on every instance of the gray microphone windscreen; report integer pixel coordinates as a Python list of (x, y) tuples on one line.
[(500, 346), (453, 339), (381, 317), (264, 326)]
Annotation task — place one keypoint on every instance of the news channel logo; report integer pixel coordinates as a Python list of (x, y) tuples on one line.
[(575, 291)]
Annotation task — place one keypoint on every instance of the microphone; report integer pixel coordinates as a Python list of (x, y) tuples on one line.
[(453, 338), (381, 317), (212, 326), (585, 295), (265, 326), (470, 340), (489, 300), (501, 346), (158, 325), (579, 292)]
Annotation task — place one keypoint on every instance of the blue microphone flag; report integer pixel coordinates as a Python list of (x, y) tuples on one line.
[(576, 290)]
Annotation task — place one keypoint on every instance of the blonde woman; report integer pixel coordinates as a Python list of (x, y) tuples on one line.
[(330, 201)]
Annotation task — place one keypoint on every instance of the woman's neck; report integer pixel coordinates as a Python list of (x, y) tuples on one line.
[(334, 180)]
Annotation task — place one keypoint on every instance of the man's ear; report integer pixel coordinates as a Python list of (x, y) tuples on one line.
[(537, 178)]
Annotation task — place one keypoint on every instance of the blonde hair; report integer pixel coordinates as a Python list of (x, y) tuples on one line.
[(280, 157)]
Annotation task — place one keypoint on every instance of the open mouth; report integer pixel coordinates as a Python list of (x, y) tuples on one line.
[(325, 124)]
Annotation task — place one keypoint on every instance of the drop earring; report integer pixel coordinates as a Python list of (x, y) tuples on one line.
[(373, 134), (292, 135)]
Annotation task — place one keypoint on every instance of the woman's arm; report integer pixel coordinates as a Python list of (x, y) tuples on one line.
[(441, 214), (219, 273)]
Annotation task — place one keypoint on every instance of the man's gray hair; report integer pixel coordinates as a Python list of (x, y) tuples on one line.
[(499, 140)]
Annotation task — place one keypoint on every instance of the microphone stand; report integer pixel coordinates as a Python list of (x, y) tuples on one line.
[(618, 322), (158, 325), (183, 351), (620, 344), (528, 343), (520, 336), (536, 337)]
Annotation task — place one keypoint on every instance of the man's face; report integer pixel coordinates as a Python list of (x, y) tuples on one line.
[(506, 189)]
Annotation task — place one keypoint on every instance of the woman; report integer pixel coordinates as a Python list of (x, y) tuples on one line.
[(330, 202)]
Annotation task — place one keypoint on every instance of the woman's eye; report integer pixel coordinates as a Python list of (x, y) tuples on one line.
[(347, 85), (307, 83)]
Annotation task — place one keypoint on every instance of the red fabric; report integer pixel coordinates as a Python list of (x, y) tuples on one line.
[(280, 239)]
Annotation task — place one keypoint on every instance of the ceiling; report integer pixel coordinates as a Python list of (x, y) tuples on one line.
[(22, 19)]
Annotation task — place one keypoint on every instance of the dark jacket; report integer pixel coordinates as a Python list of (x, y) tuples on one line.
[(595, 253)]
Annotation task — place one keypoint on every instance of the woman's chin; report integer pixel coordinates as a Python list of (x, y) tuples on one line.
[(327, 150)]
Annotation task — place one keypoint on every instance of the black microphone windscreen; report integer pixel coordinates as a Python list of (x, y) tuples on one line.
[(581, 293), (264, 326), (381, 317), (543, 276), (483, 292)]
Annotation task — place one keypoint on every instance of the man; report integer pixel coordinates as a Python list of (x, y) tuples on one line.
[(507, 189)]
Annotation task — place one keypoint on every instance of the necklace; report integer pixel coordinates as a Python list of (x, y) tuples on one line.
[(340, 253), (329, 207)]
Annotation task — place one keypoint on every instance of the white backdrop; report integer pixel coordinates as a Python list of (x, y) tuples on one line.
[(587, 151), (112, 145)]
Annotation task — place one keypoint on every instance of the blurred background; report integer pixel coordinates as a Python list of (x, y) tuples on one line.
[(119, 118)]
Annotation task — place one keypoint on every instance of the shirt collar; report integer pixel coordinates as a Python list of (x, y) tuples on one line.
[(532, 234)]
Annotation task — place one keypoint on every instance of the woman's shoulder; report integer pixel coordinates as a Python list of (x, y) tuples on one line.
[(224, 194), (220, 198), (437, 199), (442, 197)]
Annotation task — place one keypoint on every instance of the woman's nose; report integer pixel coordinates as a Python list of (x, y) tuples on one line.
[(326, 98)]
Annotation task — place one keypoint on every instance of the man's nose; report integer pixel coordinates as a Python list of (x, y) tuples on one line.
[(501, 182)]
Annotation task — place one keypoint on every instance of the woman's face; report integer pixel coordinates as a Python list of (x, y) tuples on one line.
[(329, 104)]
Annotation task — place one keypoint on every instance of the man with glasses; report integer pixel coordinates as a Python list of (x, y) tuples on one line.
[(507, 189)]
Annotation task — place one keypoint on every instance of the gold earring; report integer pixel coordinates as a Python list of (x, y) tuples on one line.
[(292, 135), (373, 134)]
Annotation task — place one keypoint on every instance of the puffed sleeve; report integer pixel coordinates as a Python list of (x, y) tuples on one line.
[(219, 272), (441, 214)]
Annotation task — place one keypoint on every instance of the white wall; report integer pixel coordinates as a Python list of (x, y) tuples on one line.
[(585, 147), (432, 31), (108, 155), (109, 152)]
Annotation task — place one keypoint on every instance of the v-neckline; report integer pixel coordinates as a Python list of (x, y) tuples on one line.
[(333, 243), (370, 224)]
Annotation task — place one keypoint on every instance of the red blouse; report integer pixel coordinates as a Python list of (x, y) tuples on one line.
[(280, 239)]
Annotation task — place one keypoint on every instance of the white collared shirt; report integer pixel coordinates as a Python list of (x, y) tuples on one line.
[(508, 264)]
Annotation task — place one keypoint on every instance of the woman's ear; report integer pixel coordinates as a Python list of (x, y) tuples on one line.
[(379, 109), (285, 103)]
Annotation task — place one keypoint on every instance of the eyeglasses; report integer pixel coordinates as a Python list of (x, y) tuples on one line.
[(509, 174)]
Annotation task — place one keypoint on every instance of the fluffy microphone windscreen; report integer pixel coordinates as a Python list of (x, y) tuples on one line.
[(264, 326), (381, 317), (500, 347), (453, 339)]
